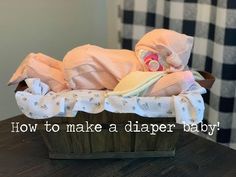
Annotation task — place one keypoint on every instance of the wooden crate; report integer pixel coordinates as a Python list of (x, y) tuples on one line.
[(104, 144)]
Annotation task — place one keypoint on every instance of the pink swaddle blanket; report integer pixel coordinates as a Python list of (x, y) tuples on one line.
[(154, 84), (49, 70), (93, 67), (171, 84), (172, 49)]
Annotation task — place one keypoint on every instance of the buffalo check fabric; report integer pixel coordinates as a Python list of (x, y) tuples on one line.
[(212, 23)]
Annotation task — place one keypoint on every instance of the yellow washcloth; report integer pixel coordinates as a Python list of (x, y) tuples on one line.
[(136, 82)]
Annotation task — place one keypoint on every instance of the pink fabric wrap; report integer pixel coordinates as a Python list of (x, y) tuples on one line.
[(171, 84), (93, 67), (49, 70), (174, 47)]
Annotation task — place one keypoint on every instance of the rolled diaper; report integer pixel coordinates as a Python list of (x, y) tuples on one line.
[(172, 50), (93, 67), (49, 70)]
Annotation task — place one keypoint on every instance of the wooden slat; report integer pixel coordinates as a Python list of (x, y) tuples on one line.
[(117, 155), (105, 141)]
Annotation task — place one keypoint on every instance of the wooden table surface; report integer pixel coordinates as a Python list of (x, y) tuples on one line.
[(24, 154)]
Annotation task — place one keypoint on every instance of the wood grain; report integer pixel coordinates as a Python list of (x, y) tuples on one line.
[(121, 144)]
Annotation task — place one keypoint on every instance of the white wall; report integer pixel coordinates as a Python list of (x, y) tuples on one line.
[(113, 24), (49, 26)]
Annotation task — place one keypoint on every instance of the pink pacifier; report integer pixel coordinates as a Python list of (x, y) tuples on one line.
[(152, 62)]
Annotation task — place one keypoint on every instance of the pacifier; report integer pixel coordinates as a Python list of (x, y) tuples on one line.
[(152, 62)]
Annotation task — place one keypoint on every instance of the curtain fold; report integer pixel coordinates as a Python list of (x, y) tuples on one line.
[(212, 23)]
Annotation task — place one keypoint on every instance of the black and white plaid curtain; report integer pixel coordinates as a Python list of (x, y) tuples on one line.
[(213, 25)]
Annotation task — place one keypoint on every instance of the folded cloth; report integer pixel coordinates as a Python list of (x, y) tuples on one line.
[(49, 70), (172, 49), (93, 67), (189, 108), (197, 75), (136, 82), (154, 84), (171, 84), (36, 87)]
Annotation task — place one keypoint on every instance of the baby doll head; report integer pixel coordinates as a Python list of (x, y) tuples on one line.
[(163, 49)]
